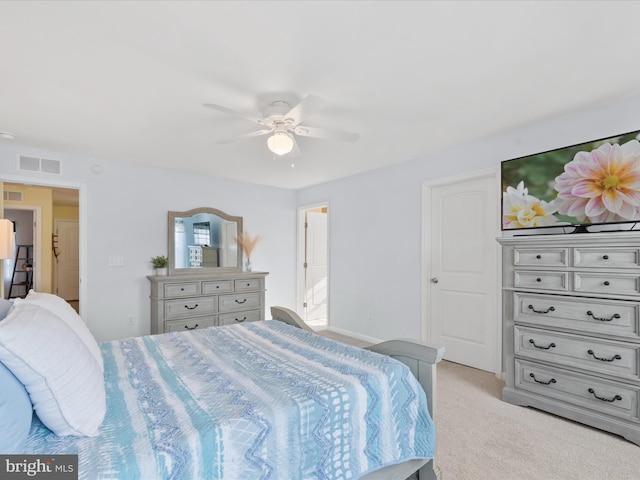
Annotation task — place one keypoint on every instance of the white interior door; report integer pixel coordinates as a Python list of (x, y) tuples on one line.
[(461, 231), (316, 263), (68, 260)]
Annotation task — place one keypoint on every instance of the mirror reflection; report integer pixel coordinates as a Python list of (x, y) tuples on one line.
[(204, 239)]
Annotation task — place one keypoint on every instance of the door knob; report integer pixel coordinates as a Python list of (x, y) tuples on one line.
[(434, 280)]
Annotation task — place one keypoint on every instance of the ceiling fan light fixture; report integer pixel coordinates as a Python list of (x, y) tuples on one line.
[(280, 143)]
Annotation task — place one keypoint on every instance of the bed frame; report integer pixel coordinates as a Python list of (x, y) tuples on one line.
[(422, 360)]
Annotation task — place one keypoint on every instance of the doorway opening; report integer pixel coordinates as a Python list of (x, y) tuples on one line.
[(39, 213), (313, 261)]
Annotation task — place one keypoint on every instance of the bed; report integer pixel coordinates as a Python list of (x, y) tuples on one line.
[(261, 400)]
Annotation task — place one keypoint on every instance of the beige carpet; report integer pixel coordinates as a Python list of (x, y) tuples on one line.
[(481, 437)]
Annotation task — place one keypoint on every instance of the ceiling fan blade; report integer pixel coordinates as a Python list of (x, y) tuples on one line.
[(257, 133), (307, 107), (246, 116), (295, 151), (315, 132)]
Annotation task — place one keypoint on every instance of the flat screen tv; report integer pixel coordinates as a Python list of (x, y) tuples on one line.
[(573, 188)]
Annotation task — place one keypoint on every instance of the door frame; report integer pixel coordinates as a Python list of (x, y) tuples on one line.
[(300, 273), (425, 289), (82, 218)]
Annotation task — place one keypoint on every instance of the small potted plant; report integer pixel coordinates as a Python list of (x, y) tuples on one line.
[(160, 263)]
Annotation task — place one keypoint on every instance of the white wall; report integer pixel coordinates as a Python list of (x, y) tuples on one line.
[(126, 215), (375, 218), (375, 223)]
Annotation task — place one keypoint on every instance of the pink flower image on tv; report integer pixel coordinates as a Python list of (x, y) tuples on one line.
[(602, 185)]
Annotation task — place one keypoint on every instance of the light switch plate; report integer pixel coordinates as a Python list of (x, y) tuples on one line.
[(116, 261)]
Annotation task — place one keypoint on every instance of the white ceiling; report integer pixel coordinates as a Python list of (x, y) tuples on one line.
[(126, 80)]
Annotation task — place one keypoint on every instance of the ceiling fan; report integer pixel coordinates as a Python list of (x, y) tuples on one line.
[(283, 123)]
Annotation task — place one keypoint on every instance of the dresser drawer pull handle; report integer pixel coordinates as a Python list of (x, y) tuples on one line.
[(602, 319), (538, 279), (191, 308), (240, 320), (606, 283), (551, 345), (550, 309), (553, 380), (602, 359), (605, 257), (241, 302), (604, 399), (538, 257), (191, 328)]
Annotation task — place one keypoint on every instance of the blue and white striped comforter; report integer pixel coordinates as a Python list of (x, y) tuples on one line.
[(252, 401)]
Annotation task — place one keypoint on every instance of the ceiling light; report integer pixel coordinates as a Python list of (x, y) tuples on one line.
[(280, 143)]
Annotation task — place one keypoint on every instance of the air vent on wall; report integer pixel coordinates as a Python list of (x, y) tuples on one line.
[(12, 196), (37, 164)]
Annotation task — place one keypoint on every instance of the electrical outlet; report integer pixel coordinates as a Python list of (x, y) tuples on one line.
[(130, 320)]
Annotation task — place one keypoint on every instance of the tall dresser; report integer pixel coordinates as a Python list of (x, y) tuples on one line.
[(571, 336), (190, 301)]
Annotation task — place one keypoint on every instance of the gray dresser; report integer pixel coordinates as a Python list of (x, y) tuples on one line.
[(186, 302), (571, 336)]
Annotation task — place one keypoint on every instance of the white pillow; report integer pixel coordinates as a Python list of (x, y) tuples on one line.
[(64, 381), (58, 306), (5, 306)]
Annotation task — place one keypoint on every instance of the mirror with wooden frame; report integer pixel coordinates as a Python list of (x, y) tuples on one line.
[(204, 240)]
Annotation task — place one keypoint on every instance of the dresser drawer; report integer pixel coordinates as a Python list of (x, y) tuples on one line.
[(179, 302), (606, 257), (589, 315), (239, 317), (222, 286), (180, 289), (543, 257), (247, 284), (606, 357), (191, 324), (189, 307), (603, 396), (234, 303), (541, 280), (607, 284)]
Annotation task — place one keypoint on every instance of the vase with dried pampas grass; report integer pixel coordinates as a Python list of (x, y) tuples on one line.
[(247, 243)]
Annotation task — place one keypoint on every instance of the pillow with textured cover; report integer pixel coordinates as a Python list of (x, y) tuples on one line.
[(15, 412), (64, 381), (58, 306)]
